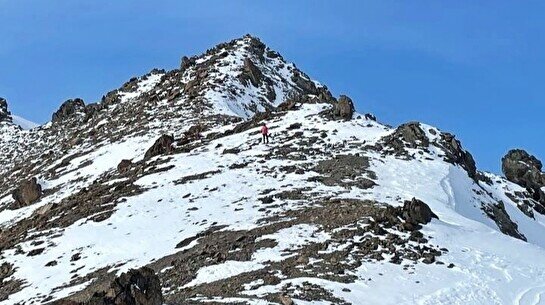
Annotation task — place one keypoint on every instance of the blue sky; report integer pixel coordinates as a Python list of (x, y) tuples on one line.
[(474, 68)]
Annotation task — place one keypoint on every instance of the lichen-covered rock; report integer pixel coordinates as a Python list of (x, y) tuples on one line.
[(344, 108), (162, 146), (28, 192), (417, 212), (68, 108), (521, 168)]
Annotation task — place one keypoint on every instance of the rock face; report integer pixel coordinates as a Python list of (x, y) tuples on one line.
[(417, 212), (27, 193), (136, 287), (521, 168), (5, 115), (67, 109), (457, 155), (252, 72), (163, 145), (344, 109)]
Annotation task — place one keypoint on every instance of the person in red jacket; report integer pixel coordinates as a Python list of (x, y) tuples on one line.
[(265, 134)]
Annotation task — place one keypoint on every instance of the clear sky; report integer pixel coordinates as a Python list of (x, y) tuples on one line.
[(474, 68)]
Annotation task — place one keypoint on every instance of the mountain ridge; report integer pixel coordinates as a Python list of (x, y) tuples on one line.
[(168, 173)]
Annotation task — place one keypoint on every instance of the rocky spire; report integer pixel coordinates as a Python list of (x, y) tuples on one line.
[(5, 115)]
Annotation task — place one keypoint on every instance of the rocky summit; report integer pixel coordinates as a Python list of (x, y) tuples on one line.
[(163, 193)]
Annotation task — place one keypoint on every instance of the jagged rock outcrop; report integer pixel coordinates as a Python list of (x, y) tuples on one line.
[(5, 115), (67, 109), (136, 287), (409, 135), (498, 214), (456, 154), (417, 212), (521, 168), (28, 192), (162, 146), (344, 108)]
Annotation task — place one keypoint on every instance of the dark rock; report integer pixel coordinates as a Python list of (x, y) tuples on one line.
[(27, 193), (252, 72), (6, 270), (35, 252), (498, 214), (456, 154), (294, 126), (186, 63), (344, 109), (408, 135), (233, 151), (68, 108), (124, 166), (162, 146), (306, 85), (416, 211), (521, 168), (136, 287), (371, 117), (5, 115), (75, 257)]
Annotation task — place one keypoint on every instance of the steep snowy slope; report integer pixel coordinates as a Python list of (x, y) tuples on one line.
[(334, 210), (23, 123)]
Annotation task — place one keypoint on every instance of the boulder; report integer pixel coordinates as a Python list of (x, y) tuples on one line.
[(28, 192), (136, 287), (521, 168), (344, 108), (67, 109), (162, 146), (124, 166), (417, 212)]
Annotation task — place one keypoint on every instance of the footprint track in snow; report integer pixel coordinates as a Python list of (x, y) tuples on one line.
[(531, 296)]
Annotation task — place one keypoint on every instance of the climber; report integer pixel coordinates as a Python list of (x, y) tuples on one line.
[(265, 134)]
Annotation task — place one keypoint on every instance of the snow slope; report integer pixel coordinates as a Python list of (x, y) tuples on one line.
[(24, 123), (224, 184)]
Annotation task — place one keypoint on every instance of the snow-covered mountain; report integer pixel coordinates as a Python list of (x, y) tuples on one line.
[(167, 176)]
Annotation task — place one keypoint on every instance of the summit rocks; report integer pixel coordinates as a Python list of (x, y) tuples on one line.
[(67, 109), (521, 168)]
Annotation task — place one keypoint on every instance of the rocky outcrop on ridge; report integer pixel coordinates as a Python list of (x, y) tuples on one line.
[(521, 168), (5, 115), (67, 109)]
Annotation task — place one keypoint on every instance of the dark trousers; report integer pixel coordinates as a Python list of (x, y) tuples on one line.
[(265, 139)]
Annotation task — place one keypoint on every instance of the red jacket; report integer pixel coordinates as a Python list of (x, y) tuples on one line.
[(264, 130)]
